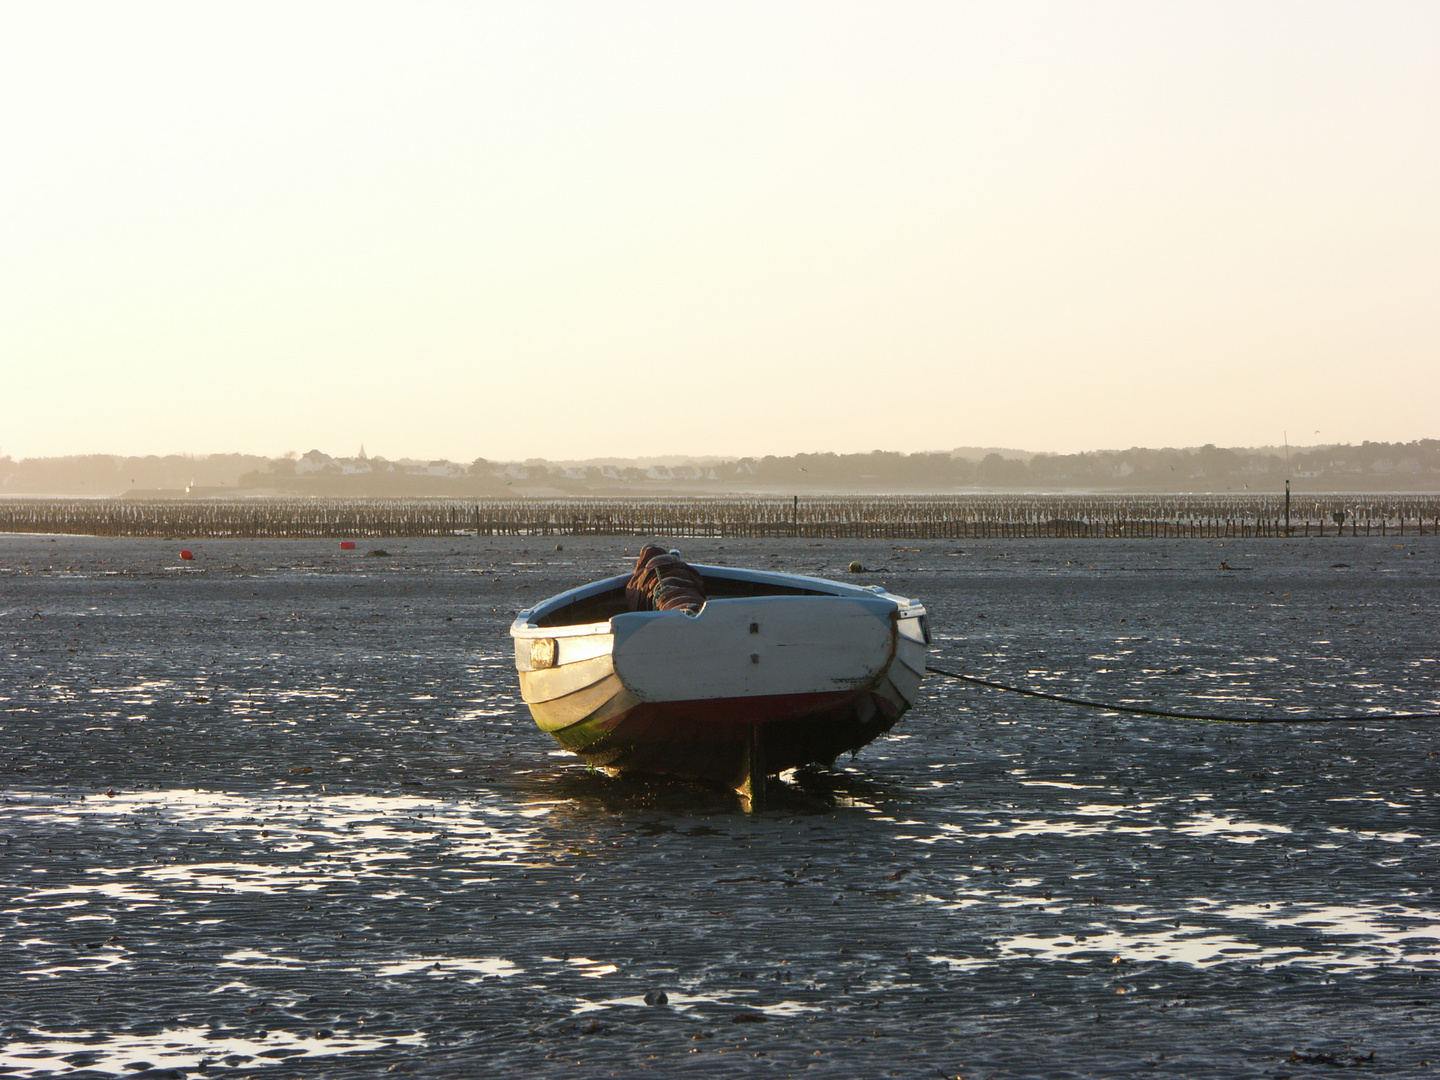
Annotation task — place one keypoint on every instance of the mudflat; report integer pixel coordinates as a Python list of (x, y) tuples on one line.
[(280, 809)]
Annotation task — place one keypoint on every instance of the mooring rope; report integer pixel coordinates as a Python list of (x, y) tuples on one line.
[(1168, 714)]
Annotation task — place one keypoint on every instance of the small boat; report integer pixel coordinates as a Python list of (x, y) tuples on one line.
[(770, 672)]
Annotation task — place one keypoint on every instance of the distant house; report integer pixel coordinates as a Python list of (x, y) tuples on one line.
[(447, 469), (315, 463)]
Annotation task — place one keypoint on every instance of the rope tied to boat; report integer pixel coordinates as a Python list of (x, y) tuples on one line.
[(1169, 714)]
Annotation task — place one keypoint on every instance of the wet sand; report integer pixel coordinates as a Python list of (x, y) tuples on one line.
[(280, 810)]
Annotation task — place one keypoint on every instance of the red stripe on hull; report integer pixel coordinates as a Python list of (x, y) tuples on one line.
[(704, 718), (706, 740)]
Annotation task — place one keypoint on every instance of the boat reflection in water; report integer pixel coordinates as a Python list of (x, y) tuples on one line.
[(771, 672)]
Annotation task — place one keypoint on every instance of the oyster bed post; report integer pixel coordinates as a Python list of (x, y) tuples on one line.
[(954, 516)]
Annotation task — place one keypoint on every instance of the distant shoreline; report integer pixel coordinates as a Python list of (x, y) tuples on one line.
[(1377, 468)]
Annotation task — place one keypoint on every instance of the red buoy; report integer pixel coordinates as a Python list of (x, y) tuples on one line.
[(347, 545), (187, 555)]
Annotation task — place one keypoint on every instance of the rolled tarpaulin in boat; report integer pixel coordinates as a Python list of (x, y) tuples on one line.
[(663, 581)]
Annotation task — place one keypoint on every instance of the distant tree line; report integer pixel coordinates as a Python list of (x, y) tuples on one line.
[(107, 474), (1413, 466), (1371, 466)]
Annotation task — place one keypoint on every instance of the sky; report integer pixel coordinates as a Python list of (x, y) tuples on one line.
[(572, 230)]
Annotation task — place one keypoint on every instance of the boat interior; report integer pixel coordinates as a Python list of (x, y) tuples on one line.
[(603, 606)]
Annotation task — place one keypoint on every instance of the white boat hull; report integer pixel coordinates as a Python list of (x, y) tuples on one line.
[(808, 675)]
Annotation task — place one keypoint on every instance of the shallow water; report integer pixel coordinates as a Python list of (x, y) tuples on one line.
[(280, 809)]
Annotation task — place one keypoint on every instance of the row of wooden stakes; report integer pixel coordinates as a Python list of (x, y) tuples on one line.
[(878, 517)]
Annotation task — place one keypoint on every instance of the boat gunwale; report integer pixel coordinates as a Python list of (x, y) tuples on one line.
[(526, 623)]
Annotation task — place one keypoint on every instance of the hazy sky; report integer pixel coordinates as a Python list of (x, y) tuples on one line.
[(570, 230)]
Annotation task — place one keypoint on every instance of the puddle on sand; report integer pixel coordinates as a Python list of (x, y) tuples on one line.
[(682, 1002), (278, 845), (1197, 931), (1104, 819), (486, 968), (1332, 938), (357, 830), (44, 1053)]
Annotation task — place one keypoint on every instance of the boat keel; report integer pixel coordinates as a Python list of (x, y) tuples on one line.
[(750, 785)]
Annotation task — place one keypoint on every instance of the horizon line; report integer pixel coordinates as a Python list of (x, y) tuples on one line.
[(953, 451)]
